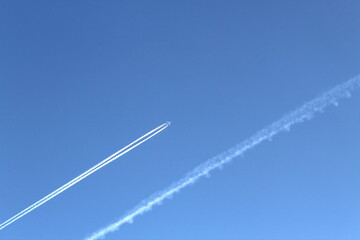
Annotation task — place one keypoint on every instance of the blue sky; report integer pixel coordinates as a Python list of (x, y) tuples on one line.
[(81, 79)]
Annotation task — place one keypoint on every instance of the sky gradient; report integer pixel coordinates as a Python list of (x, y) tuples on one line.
[(81, 79)]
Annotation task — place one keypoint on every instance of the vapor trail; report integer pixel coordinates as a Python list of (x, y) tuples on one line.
[(103, 163), (305, 112)]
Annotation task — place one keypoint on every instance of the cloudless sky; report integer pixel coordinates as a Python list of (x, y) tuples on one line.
[(81, 79)]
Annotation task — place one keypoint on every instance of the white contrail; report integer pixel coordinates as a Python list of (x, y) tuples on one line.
[(103, 163), (301, 114)]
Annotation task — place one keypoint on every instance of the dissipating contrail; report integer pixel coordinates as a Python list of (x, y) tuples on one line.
[(95, 168), (305, 112)]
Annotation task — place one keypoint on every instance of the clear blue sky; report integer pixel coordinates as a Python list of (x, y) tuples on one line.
[(80, 79)]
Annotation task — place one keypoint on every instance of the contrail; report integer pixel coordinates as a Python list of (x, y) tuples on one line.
[(95, 168), (305, 112)]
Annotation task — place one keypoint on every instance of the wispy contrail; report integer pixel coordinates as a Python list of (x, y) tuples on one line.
[(101, 164), (301, 114)]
